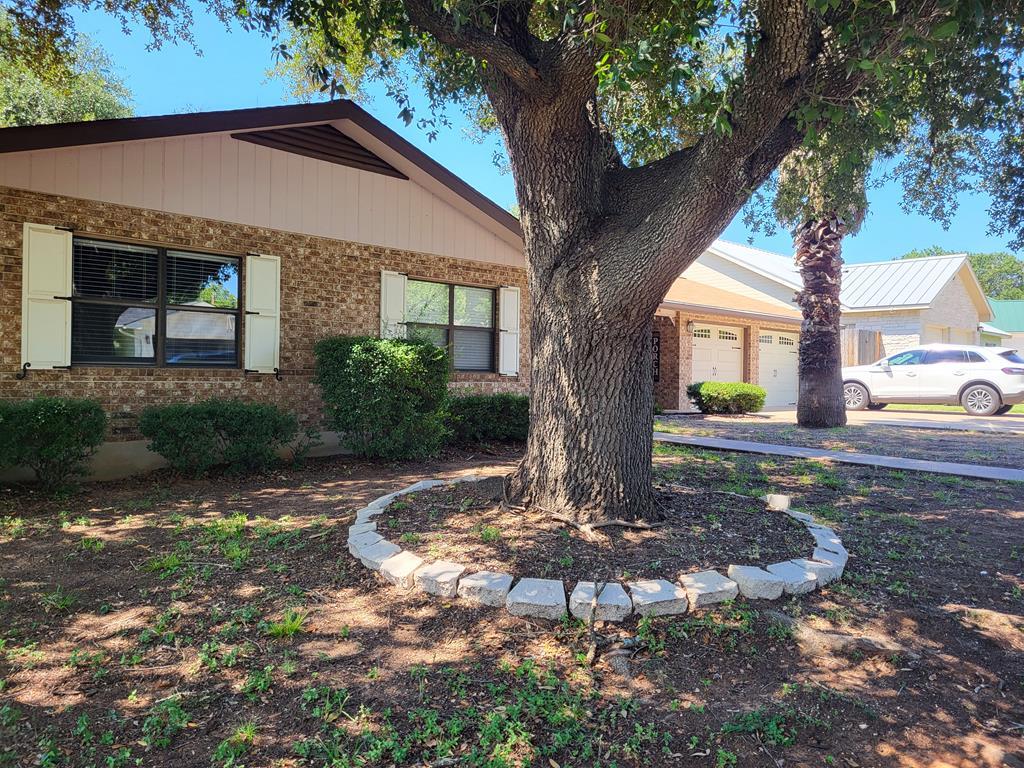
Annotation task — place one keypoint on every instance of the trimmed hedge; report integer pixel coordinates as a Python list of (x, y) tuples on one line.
[(54, 436), (386, 397), (490, 418), (196, 437), (726, 397)]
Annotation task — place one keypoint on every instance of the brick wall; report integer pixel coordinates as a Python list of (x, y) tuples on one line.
[(328, 287)]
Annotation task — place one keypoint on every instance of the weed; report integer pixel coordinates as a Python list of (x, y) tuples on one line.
[(165, 719), (259, 681), (235, 746), (58, 600), (288, 626)]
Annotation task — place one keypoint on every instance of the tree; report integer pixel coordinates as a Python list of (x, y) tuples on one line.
[(84, 87), (635, 133), (1001, 274)]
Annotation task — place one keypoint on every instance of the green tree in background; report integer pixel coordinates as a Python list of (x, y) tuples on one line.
[(83, 86), (1001, 274)]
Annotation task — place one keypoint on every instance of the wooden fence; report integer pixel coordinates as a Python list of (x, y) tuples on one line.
[(860, 347)]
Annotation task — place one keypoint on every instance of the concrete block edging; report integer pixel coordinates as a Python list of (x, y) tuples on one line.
[(686, 592)]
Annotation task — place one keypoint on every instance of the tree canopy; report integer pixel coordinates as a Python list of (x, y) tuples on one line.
[(83, 86), (1001, 274)]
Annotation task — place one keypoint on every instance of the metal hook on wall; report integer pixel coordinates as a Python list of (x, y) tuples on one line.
[(24, 371), (277, 374)]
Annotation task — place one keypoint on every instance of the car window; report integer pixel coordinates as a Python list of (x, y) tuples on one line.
[(1012, 356), (913, 357), (974, 357), (944, 356)]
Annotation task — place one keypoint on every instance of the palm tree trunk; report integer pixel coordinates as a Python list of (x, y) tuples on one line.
[(819, 256)]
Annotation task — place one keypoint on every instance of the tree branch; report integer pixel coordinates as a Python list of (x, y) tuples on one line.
[(470, 39)]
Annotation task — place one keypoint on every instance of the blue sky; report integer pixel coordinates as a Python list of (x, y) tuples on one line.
[(231, 74)]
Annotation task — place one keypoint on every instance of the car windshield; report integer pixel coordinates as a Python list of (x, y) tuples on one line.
[(1012, 356)]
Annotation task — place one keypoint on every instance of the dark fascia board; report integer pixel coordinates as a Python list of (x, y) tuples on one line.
[(33, 137)]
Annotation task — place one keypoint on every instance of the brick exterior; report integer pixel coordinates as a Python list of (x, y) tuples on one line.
[(328, 287), (677, 352)]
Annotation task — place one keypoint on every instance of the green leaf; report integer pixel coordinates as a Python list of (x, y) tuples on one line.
[(946, 30)]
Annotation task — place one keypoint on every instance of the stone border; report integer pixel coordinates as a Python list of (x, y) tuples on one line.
[(546, 598)]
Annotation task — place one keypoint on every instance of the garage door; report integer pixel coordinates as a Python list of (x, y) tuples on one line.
[(777, 367), (717, 353)]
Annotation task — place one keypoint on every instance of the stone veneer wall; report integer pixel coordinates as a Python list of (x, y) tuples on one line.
[(327, 287)]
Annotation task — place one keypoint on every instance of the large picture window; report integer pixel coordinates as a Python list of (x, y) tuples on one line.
[(139, 305), (458, 317)]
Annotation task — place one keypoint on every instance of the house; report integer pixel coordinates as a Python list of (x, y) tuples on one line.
[(161, 259), (887, 306), (1008, 322)]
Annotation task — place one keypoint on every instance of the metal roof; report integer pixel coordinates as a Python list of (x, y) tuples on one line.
[(899, 283), (1009, 314), (874, 285), (987, 328), (772, 265)]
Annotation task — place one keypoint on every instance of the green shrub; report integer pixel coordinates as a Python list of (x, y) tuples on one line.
[(244, 437), (386, 397), (54, 436), (490, 418), (726, 397)]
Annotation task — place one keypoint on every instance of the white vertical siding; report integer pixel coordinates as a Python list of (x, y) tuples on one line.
[(217, 177)]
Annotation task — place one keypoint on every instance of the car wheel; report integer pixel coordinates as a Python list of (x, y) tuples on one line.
[(855, 396), (1003, 409), (876, 406), (980, 400)]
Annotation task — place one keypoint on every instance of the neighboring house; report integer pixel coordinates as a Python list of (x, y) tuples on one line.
[(1009, 321), (892, 304), (164, 259)]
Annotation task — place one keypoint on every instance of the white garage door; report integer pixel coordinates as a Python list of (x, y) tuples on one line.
[(717, 353), (777, 367)]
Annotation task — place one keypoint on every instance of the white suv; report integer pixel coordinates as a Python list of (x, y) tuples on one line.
[(984, 380)]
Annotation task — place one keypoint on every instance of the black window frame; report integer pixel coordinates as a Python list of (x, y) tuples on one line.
[(450, 326), (161, 306)]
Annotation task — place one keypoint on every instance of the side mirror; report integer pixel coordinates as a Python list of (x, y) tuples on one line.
[(884, 365)]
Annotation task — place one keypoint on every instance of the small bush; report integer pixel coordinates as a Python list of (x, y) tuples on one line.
[(386, 397), (490, 418), (53, 436), (195, 437), (726, 397)]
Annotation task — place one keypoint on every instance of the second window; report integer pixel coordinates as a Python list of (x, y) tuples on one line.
[(458, 317)]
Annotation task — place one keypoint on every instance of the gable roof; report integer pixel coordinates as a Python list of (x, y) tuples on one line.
[(373, 135), (1008, 314), (693, 296), (878, 285)]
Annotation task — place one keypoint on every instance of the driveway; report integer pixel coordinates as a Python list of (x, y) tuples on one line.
[(892, 416)]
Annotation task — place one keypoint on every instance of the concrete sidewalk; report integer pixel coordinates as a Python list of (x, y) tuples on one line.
[(846, 457)]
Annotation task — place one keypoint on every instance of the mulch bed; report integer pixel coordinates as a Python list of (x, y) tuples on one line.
[(469, 524)]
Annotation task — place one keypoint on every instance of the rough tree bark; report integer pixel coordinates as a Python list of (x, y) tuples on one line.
[(819, 255), (604, 241)]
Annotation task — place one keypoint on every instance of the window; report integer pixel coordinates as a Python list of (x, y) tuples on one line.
[(702, 333), (1012, 357), (974, 357), (765, 339), (459, 317), (787, 341), (728, 336), (944, 356), (913, 357), (138, 305)]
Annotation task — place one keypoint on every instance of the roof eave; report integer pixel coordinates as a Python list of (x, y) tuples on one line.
[(683, 306), (746, 265)]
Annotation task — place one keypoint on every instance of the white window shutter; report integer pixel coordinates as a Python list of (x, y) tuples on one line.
[(392, 305), (508, 336), (262, 313), (45, 290)]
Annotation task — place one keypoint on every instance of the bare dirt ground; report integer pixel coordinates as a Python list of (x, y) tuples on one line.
[(172, 623), (989, 448)]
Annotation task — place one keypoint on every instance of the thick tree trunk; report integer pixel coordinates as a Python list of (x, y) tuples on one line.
[(819, 256), (591, 413)]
